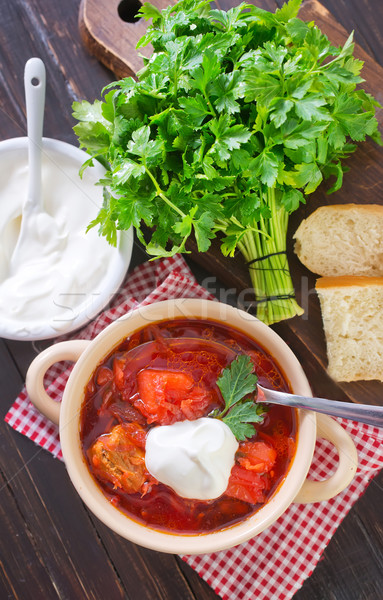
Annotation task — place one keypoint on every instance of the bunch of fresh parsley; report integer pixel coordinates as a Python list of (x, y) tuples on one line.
[(234, 119)]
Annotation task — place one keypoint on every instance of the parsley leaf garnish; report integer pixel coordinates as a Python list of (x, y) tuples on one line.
[(237, 382)]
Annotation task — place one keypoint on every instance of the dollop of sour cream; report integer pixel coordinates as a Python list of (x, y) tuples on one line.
[(194, 458), (58, 267)]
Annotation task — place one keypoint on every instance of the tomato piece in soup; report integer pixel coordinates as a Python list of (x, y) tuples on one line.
[(169, 396), (258, 457), (119, 457), (249, 477), (246, 486)]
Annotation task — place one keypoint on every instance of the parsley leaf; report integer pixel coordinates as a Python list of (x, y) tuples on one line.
[(228, 137), (236, 383), (265, 166), (241, 418)]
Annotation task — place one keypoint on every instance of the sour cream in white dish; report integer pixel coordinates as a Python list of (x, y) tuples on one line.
[(194, 458), (62, 276)]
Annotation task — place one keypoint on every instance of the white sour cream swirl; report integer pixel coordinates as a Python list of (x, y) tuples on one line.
[(194, 458)]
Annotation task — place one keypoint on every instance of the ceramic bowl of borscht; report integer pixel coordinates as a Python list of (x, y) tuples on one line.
[(163, 433)]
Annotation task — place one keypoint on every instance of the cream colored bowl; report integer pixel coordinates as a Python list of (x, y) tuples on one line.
[(295, 487)]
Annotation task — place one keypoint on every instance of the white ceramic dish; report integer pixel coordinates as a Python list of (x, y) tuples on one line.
[(294, 488), (90, 302)]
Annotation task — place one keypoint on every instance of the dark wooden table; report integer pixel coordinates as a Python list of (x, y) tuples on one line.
[(50, 545)]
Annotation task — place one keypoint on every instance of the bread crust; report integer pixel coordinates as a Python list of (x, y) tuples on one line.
[(348, 281), (342, 239), (375, 209)]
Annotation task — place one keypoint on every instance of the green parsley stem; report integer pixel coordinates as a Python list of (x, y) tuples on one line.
[(161, 195), (269, 271), (212, 111), (170, 203)]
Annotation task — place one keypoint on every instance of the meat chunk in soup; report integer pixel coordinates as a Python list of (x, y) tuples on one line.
[(119, 457)]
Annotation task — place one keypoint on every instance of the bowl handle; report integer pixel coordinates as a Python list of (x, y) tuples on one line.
[(316, 491), (34, 381)]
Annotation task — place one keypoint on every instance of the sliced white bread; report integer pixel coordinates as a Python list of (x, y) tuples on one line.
[(352, 313), (342, 239)]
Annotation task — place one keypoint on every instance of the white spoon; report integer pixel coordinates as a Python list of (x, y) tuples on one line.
[(34, 86)]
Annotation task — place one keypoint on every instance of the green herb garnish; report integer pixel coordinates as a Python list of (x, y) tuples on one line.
[(236, 383), (234, 120)]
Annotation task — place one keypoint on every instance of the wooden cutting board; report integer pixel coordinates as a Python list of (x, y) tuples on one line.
[(110, 31)]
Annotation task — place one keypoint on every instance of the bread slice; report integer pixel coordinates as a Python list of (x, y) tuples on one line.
[(352, 313), (342, 239)]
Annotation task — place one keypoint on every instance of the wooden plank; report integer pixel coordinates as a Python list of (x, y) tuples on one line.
[(21, 567), (364, 17), (199, 586), (37, 499), (150, 574)]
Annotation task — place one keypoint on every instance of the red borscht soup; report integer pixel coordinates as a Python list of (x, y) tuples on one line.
[(141, 385)]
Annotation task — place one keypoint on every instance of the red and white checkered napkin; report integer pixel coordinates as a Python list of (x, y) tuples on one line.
[(275, 563)]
